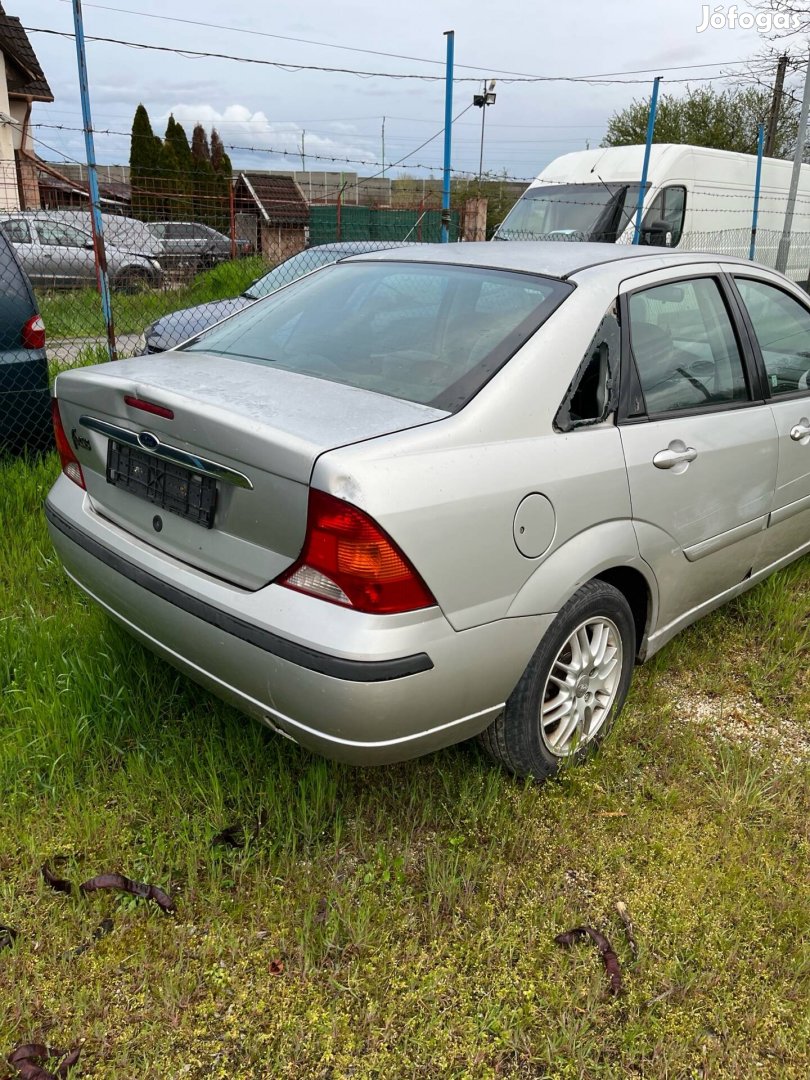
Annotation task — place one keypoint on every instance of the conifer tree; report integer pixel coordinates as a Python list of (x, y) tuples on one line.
[(144, 164)]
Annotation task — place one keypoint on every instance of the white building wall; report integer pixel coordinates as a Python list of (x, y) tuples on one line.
[(9, 194)]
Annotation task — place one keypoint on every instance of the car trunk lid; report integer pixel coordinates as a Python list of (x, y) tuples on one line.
[(231, 417)]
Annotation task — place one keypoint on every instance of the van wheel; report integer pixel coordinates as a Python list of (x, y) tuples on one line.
[(573, 688)]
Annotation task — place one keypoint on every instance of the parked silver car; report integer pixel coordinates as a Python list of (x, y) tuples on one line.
[(194, 244), (431, 493), (56, 254)]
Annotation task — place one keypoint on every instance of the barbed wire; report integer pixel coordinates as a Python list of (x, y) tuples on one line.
[(458, 173)]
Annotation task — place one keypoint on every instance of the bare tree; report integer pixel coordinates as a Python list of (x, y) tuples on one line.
[(789, 20)]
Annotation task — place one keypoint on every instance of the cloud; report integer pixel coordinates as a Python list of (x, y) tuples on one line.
[(265, 143)]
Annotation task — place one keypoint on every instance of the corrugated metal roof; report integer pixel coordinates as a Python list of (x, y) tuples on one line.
[(277, 197)]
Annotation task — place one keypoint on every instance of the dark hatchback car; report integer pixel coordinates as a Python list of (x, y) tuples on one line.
[(25, 419)]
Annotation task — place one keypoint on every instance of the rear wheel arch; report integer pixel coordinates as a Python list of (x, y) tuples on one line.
[(573, 688), (132, 278), (637, 591)]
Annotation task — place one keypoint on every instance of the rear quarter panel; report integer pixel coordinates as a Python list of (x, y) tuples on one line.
[(448, 493)]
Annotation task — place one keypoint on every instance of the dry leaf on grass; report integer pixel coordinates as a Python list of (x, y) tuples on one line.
[(27, 1060)]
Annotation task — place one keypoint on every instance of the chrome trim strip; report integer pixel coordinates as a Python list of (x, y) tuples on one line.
[(165, 452), (717, 543)]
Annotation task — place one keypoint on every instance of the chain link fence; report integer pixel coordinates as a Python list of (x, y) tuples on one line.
[(179, 262), (24, 390)]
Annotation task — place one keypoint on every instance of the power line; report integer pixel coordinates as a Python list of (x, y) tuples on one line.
[(196, 54), (376, 52)]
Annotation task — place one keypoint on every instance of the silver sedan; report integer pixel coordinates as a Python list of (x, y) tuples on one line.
[(423, 495)]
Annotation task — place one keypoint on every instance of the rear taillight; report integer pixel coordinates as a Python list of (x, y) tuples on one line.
[(33, 333), (348, 560), (70, 463)]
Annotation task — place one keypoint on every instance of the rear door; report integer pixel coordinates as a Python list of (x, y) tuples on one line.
[(181, 239), (18, 231), (778, 320), (66, 253), (699, 440)]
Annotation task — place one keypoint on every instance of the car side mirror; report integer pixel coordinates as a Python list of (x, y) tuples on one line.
[(89, 245)]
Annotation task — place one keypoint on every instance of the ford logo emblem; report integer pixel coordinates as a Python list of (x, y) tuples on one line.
[(148, 441)]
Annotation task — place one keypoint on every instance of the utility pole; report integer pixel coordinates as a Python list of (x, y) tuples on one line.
[(303, 154), (383, 146), (776, 106), (784, 243)]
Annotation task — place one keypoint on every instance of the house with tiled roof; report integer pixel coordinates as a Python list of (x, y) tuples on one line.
[(22, 82)]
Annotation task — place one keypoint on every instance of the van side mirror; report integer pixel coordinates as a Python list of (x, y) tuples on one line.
[(658, 233)]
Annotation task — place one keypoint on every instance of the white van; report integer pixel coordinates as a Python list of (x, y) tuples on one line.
[(697, 199)]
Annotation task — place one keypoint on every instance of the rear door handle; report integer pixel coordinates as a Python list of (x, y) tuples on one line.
[(801, 432), (677, 456)]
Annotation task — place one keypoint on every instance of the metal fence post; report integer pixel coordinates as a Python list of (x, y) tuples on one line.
[(92, 176), (757, 184), (784, 243), (646, 165), (448, 129)]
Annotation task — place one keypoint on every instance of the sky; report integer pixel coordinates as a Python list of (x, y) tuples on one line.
[(261, 110)]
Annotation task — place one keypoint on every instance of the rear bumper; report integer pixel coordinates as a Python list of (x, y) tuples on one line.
[(364, 689)]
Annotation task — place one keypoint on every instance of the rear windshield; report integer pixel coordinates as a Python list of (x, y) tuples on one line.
[(426, 332)]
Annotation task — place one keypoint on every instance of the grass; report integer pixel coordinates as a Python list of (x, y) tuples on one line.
[(77, 313), (411, 910)]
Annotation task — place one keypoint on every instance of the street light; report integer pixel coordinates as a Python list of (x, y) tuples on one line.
[(487, 97)]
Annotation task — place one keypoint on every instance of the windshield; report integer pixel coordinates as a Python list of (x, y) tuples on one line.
[(595, 212), (426, 332)]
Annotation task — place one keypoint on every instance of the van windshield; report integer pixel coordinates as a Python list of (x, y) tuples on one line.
[(596, 212)]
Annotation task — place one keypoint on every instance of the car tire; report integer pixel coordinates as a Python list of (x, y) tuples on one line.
[(133, 279), (207, 261), (567, 685)]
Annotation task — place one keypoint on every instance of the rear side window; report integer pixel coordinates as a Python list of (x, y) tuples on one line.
[(782, 328), (428, 333), (684, 347), (17, 231), (57, 234), (591, 395)]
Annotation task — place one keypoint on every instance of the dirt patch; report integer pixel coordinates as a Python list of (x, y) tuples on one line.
[(741, 719)]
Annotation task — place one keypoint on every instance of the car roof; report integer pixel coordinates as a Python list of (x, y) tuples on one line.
[(360, 247), (552, 258)]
